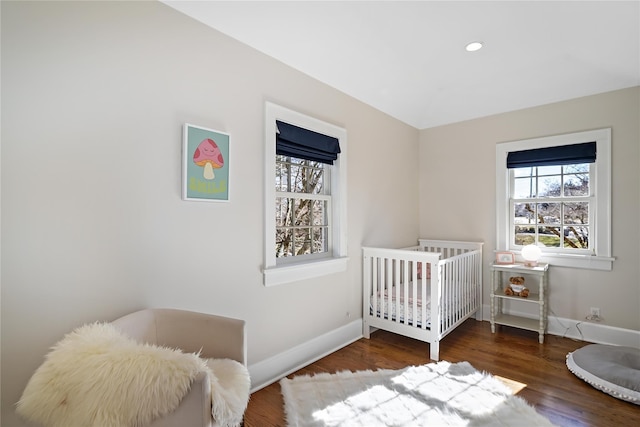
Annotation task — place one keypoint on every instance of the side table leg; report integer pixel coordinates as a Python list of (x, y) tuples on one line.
[(543, 308), (493, 302), (493, 314)]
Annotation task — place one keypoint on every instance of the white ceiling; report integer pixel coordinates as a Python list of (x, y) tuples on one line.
[(408, 60)]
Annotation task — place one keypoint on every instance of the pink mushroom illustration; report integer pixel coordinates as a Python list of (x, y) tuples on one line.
[(208, 155)]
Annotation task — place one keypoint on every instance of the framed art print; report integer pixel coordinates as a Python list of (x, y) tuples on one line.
[(205, 167), (505, 258)]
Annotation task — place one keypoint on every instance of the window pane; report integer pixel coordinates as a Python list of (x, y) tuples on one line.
[(576, 213), (578, 168), (318, 185), (549, 170), (524, 188), (319, 240), (282, 176), (521, 172), (549, 213), (283, 211), (303, 212), (284, 242), (576, 184), (302, 241), (312, 177), (576, 237), (524, 235), (297, 179), (549, 186), (523, 213), (549, 236), (319, 212)]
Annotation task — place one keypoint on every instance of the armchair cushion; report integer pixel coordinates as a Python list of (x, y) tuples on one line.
[(97, 376)]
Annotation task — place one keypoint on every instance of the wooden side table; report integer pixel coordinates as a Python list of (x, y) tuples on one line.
[(536, 296)]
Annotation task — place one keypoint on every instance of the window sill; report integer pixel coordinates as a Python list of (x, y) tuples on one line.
[(589, 262), (279, 275)]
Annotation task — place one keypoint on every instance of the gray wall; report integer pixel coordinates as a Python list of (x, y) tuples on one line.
[(94, 96), (462, 155)]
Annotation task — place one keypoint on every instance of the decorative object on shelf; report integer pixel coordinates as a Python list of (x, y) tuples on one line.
[(505, 258), (531, 255), (516, 280), (205, 164), (516, 287), (517, 291)]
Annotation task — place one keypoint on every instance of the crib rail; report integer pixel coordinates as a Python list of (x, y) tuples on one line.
[(447, 248)]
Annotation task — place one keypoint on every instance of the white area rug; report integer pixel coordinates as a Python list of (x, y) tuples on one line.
[(437, 394)]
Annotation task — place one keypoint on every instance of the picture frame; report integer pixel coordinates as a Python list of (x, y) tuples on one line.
[(505, 258), (205, 164)]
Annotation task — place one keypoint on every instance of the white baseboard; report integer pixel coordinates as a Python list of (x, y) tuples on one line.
[(593, 332), (276, 367), (583, 330)]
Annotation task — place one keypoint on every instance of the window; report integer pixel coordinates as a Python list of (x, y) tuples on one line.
[(555, 192), (305, 202)]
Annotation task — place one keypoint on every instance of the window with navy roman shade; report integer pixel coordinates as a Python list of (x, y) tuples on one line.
[(555, 192), (552, 156), (305, 144)]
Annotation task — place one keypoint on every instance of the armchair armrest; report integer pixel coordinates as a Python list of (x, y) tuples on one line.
[(194, 408)]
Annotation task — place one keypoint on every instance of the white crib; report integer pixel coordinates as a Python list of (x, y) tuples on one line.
[(423, 292)]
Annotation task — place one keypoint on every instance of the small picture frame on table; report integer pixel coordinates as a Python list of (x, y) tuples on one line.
[(505, 258)]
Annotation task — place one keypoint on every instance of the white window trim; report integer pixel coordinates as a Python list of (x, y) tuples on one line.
[(601, 187), (274, 273)]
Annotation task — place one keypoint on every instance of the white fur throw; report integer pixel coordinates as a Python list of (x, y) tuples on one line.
[(96, 376), (230, 389)]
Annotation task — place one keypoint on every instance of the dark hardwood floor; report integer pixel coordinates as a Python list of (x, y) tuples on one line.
[(509, 353)]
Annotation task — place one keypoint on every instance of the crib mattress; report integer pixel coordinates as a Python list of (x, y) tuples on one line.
[(382, 307)]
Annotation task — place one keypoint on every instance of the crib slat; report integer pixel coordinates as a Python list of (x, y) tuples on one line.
[(410, 272), (396, 287), (374, 284)]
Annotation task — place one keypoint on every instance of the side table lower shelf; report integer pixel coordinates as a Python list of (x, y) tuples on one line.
[(517, 322)]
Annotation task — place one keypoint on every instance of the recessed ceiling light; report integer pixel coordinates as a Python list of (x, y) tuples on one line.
[(473, 46)]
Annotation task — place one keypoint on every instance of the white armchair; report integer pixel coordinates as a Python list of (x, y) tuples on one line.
[(154, 367), (215, 337)]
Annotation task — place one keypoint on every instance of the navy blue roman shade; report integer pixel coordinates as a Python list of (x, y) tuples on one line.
[(306, 144), (551, 156)]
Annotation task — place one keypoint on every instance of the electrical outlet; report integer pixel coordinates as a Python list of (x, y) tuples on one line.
[(594, 314)]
